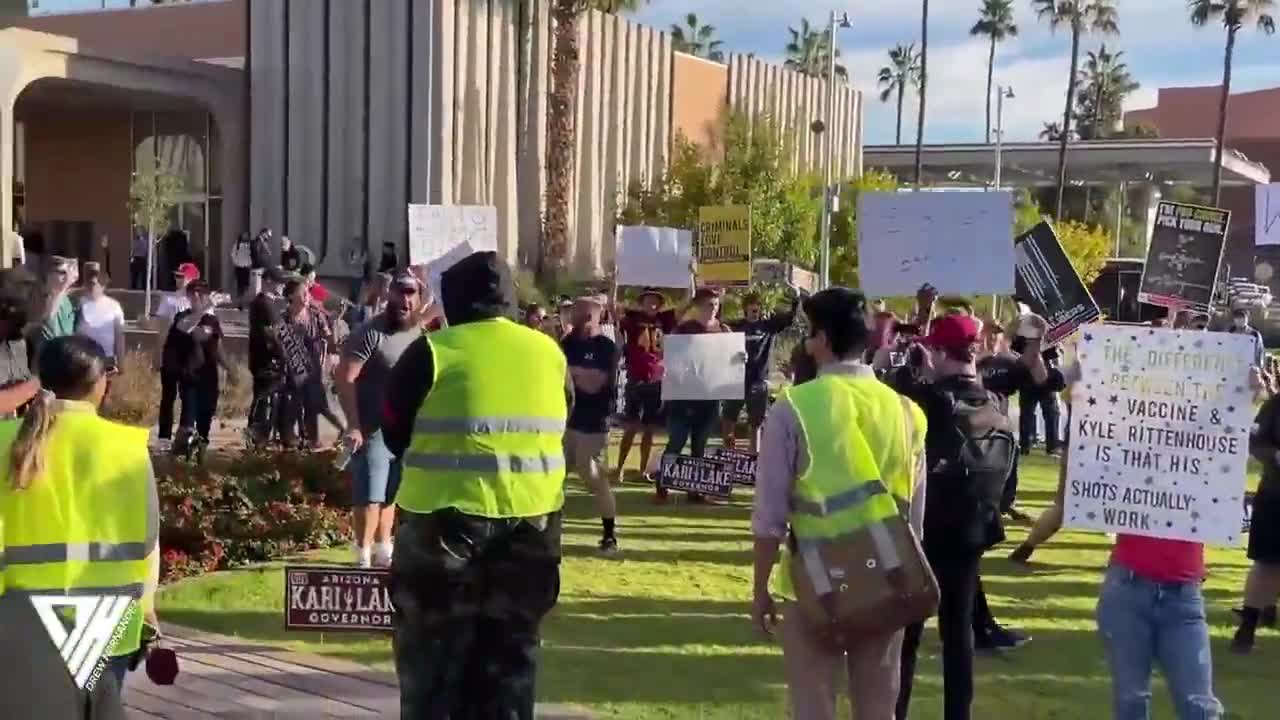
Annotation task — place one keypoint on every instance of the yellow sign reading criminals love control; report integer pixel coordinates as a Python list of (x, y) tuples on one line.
[(724, 245)]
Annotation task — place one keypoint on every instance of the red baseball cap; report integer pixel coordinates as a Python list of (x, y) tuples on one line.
[(188, 271), (953, 331)]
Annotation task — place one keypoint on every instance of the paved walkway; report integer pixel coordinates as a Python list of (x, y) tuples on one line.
[(225, 677)]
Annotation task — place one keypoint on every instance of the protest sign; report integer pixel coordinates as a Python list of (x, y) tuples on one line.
[(437, 230), (1266, 208), (776, 272), (1049, 284), (1183, 259), (704, 367), (654, 257), (742, 464), (959, 242), (724, 245), (331, 599), (1160, 433), (706, 476)]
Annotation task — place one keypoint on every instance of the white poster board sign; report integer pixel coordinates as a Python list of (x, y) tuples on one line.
[(1160, 433), (437, 230), (1266, 226), (654, 257), (704, 367), (959, 242)]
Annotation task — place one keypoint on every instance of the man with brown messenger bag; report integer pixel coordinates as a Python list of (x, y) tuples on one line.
[(839, 472)]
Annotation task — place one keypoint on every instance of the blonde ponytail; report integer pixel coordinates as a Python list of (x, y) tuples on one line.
[(26, 459)]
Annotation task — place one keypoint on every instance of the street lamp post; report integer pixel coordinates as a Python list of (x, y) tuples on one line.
[(1002, 92), (829, 153)]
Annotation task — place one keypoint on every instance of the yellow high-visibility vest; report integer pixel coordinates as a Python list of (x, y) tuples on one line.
[(861, 465), (488, 438), (90, 523)]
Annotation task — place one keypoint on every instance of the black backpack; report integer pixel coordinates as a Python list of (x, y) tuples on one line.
[(969, 468)]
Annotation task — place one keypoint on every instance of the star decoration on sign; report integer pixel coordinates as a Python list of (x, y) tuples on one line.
[(1149, 480), (1228, 429), (1231, 408), (1092, 402), (1113, 399), (1198, 344), (1088, 337)]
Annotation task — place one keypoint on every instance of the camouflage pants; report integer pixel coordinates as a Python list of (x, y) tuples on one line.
[(470, 593)]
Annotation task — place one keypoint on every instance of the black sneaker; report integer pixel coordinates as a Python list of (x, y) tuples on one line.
[(1000, 639), (609, 546), (1266, 620)]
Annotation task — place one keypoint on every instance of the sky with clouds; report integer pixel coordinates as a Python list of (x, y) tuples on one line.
[(1161, 47)]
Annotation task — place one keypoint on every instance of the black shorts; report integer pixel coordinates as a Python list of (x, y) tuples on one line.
[(756, 403), (644, 405)]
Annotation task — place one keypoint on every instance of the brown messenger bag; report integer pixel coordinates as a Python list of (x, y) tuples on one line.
[(870, 582)]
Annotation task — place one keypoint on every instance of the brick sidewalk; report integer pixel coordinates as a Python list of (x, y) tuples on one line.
[(226, 677)]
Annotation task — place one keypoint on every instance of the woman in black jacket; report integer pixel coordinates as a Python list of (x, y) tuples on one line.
[(1263, 583)]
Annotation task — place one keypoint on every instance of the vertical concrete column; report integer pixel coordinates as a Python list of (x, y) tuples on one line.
[(388, 124), (10, 86), (344, 184), (232, 135), (269, 40)]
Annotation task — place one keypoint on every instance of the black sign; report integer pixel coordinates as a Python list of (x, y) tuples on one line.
[(1049, 284), (330, 598), (742, 464), (705, 476), (1184, 256)]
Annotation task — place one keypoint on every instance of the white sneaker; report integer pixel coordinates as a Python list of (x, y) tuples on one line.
[(363, 559), (382, 554)]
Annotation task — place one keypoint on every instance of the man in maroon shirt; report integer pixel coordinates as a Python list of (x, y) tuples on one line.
[(642, 331)]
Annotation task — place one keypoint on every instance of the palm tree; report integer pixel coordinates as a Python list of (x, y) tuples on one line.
[(995, 20), (903, 69), (562, 134), (808, 54), (1081, 16), (1105, 83), (696, 39), (924, 83), (1235, 13)]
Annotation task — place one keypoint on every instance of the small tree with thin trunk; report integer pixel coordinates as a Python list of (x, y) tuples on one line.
[(152, 195)]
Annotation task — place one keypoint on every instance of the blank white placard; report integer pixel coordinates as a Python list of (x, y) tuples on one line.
[(1266, 226), (961, 243), (704, 367), (654, 257)]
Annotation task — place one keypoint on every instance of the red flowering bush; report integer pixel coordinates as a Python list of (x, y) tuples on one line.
[(248, 509)]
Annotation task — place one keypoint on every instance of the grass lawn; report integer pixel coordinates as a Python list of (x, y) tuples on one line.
[(664, 632)]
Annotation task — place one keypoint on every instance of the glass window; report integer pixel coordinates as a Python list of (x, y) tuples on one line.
[(215, 161), (180, 147)]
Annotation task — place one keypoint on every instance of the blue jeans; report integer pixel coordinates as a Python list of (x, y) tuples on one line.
[(119, 666), (1142, 623)]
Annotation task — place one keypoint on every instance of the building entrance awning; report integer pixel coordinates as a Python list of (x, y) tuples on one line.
[(1095, 162)]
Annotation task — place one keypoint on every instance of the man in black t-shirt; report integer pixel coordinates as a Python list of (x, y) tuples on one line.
[(265, 359), (592, 359), (760, 332)]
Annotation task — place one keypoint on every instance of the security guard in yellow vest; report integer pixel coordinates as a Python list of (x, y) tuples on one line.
[(476, 413), (837, 453), (79, 528)]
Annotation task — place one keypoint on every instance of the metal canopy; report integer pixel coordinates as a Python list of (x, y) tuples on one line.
[(1095, 162)]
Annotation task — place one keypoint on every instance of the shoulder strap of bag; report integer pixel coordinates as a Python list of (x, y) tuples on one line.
[(908, 434)]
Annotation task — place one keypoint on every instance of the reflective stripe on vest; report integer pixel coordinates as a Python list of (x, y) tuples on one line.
[(486, 425), (842, 501), (488, 438), (491, 463)]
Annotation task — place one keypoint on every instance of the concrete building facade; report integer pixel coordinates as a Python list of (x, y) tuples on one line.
[(324, 118)]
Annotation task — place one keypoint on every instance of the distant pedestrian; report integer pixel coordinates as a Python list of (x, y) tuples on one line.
[(290, 256), (693, 421), (242, 261), (101, 318), (138, 248), (196, 337)]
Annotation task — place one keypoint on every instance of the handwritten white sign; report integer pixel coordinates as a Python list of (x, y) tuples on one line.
[(704, 367), (437, 230), (1160, 433), (1266, 227), (959, 242), (654, 257)]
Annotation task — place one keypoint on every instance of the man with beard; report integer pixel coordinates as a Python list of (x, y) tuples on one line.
[(370, 353)]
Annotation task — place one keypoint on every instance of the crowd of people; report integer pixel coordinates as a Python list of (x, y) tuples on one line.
[(895, 437)]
